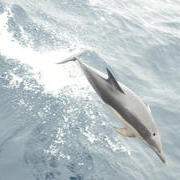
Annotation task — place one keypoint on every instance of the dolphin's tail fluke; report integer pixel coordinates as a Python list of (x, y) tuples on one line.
[(72, 58), (68, 60)]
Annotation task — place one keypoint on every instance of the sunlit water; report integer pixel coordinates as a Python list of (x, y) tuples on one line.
[(53, 125)]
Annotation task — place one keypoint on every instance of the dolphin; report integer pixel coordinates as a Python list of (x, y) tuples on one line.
[(127, 106)]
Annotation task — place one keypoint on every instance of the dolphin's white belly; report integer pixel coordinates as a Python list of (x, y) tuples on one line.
[(124, 122)]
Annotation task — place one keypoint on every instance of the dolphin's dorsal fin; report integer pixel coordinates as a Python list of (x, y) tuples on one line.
[(113, 81)]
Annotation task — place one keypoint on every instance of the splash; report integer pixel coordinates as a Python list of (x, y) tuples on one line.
[(52, 76)]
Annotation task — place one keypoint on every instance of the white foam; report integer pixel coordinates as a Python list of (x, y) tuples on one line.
[(90, 136), (15, 81), (52, 76)]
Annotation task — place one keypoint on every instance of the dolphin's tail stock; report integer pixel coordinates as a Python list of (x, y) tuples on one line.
[(72, 58)]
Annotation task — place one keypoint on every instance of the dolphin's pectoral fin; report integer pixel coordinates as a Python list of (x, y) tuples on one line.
[(124, 131)]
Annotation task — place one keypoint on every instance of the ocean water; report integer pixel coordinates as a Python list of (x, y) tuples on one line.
[(53, 126)]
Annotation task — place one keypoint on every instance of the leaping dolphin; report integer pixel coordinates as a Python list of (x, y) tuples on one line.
[(132, 112)]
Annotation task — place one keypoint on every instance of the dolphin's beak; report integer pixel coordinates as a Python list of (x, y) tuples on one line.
[(158, 150), (161, 156)]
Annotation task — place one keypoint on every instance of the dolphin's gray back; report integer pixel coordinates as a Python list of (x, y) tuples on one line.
[(127, 104)]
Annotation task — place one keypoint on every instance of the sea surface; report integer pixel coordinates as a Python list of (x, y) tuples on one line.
[(53, 126)]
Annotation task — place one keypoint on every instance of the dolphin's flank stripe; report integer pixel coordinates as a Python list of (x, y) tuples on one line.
[(129, 117)]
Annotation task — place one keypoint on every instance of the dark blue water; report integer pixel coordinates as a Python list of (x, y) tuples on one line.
[(53, 126)]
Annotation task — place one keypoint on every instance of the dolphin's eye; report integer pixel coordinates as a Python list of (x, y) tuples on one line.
[(154, 134)]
